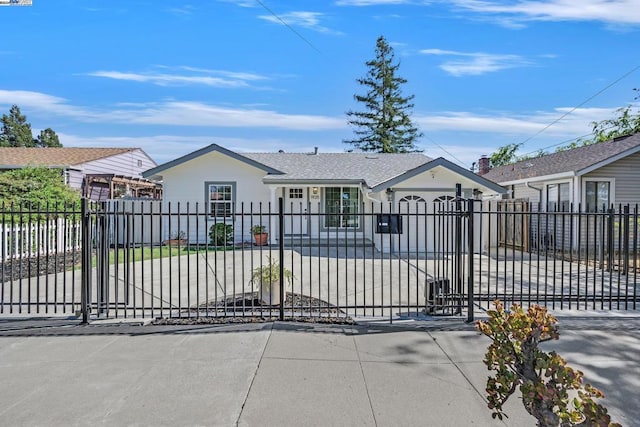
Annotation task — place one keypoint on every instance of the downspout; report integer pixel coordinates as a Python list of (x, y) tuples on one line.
[(366, 194), (539, 190)]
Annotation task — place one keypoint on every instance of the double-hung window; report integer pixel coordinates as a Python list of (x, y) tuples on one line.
[(341, 207), (220, 197)]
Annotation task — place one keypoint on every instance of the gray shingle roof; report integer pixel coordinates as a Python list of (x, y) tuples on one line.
[(574, 160), (373, 169)]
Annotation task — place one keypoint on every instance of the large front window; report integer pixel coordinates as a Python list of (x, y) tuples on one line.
[(220, 200), (341, 207), (597, 195)]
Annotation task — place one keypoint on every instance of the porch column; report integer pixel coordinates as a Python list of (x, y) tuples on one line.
[(273, 220)]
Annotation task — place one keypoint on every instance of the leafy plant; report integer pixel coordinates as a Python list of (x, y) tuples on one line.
[(34, 189), (258, 229), (551, 391), (269, 274), (221, 234)]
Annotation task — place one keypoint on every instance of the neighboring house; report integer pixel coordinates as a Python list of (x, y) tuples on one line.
[(588, 179), (100, 173), (332, 188), (593, 177)]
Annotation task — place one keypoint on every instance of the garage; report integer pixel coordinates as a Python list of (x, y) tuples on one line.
[(427, 225)]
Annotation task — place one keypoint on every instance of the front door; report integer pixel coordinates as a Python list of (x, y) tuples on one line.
[(295, 208)]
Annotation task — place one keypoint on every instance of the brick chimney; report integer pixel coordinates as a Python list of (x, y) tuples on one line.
[(483, 165)]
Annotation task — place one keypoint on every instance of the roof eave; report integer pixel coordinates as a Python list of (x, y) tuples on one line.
[(539, 178), (294, 181)]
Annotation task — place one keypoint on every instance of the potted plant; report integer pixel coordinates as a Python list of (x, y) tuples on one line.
[(179, 238), (267, 276), (260, 235)]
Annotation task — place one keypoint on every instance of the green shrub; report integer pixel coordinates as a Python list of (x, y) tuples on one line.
[(221, 234), (35, 189), (551, 391)]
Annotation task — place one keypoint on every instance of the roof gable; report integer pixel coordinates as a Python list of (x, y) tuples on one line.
[(440, 161), (208, 149), (577, 161), (19, 157)]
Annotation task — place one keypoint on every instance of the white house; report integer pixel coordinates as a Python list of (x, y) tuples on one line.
[(329, 194)]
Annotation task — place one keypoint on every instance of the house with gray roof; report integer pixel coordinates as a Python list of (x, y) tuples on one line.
[(590, 178), (327, 193)]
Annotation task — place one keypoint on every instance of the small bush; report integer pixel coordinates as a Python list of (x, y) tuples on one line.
[(221, 234), (551, 391)]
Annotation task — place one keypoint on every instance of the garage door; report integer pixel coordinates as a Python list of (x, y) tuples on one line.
[(426, 225)]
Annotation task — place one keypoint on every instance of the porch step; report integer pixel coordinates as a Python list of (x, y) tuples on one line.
[(309, 242)]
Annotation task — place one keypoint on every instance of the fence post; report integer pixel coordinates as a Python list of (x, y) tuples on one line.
[(85, 259), (458, 240), (625, 236), (470, 241), (610, 223), (281, 253)]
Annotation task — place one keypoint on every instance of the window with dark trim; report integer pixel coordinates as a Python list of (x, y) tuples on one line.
[(220, 200), (597, 194), (558, 197)]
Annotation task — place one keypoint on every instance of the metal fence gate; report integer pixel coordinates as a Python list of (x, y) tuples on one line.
[(408, 260)]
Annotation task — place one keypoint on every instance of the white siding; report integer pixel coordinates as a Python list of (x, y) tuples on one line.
[(431, 232), (120, 164), (185, 185), (74, 178), (522, 192)]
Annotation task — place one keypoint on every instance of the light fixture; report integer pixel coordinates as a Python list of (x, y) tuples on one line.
[(389, 192), (314, 191)]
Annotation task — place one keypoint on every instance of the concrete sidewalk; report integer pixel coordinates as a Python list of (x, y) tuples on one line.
[(285, 374)]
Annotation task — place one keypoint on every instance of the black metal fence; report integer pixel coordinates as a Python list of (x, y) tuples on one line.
[(413, 259)]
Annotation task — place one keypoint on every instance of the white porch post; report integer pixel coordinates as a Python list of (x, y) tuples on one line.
[(273, 220)]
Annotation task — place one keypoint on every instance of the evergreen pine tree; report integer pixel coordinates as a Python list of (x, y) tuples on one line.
[(15, 132), (385, 125), (48, 138)]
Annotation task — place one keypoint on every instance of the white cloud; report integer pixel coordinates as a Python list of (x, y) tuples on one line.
[(194, 76), (476, 63), (575, 124), (242, 3), (609, 11), (309, 20), (185, 10), (176, 113)]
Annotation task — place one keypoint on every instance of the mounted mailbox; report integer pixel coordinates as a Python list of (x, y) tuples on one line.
[(388, 224)]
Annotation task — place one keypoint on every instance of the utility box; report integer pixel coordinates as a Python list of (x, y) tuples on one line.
[(388, 224)]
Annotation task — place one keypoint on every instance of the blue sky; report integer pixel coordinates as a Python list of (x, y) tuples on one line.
[(174, 76)]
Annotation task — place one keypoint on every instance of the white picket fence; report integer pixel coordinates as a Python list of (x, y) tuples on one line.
[(39, 239)]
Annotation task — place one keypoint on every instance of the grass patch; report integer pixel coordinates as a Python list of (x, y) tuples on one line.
[(120, 256)]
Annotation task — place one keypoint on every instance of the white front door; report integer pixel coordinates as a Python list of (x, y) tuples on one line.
[(296, 203)]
